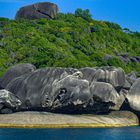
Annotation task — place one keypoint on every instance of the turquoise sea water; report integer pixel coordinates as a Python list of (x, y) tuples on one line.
[(125, 133)]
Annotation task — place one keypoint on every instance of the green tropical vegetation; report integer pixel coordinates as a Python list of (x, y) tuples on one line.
[(70, 40)]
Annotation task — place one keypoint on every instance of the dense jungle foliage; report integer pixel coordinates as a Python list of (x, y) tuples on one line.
[(69, 40)]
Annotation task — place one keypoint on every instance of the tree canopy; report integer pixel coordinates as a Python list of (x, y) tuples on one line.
[(70, 40)]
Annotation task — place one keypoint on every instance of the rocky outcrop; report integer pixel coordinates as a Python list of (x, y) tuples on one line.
[(124, 57), (37, 11), (62, 89), (68, 90)]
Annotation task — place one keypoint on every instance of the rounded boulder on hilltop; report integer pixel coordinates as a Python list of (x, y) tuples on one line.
[(37, 11)]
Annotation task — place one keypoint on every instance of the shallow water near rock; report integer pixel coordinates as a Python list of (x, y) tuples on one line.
[(124, 133)]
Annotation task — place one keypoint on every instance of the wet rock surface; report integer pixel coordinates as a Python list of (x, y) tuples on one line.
[(37, 11)]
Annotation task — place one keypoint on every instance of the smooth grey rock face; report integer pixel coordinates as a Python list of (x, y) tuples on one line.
[(133, 95), (37, 11), (15, 71), (104, 92), (63, 89), (112, 75), (88, 73)]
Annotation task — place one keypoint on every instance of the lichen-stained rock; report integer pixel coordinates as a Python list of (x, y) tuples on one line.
[(133, 95), (105, 93), (14, 72), (37, 11)]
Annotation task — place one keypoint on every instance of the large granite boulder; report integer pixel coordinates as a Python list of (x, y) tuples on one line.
[(14, 72), (114, 76), (104, 93), (37, 11), (133, 95), (70, 92), (49, 88)]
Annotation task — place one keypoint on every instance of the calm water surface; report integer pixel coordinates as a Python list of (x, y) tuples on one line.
[(126, 133)]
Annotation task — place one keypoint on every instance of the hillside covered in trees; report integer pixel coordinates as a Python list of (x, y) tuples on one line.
[(70, 40)]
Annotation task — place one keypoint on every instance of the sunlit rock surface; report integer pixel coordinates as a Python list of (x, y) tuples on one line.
[(54, 120), (105, 93), (37, 11), (112, 75), (66, 90)]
